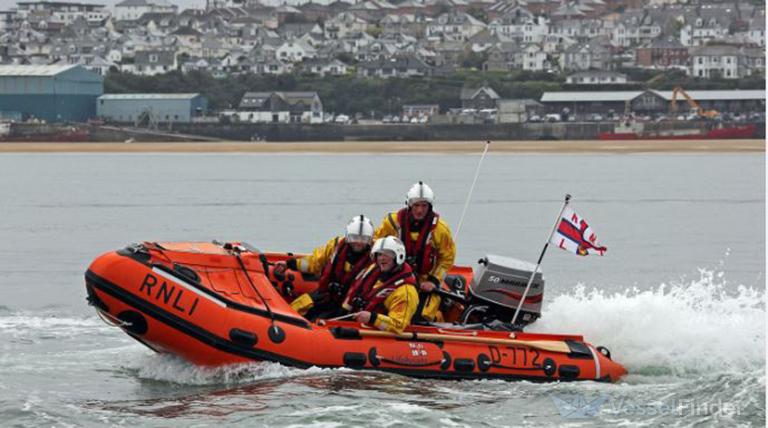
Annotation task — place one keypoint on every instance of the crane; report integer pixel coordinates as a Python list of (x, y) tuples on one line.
[(709, 114)]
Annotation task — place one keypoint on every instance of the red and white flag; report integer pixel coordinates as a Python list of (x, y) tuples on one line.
[(573, 234)]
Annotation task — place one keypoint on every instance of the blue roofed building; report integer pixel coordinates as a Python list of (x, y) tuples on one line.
[(55, 93)]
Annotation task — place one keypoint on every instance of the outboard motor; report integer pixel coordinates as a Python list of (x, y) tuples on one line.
[(496, 289)]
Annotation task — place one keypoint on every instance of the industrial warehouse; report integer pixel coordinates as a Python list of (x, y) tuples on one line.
[(151, 109), (654, 102), (54, 93)]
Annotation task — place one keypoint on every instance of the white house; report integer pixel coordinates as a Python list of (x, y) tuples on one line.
[(596, 77), (295, 51), (60, 12), (533, 58), (344, 24), (280, 107), (699, 30), (324, 68), (152, 62), (455, 26), (711, 61), (99, 65), (521, 23), (6, 20), (636, 27), (131, 10), (584, 56), (757, 30)]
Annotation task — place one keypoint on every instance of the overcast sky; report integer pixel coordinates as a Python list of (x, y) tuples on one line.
[(183, 4)]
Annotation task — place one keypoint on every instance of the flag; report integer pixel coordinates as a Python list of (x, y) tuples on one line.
[(573, 234)]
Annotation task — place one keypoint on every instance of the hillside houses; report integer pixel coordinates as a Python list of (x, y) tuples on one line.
[(379, 38), (454, 26)]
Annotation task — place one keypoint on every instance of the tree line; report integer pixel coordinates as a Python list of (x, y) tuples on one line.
[(349, 94)]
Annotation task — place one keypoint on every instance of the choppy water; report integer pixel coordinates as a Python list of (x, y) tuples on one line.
[(679, 298)]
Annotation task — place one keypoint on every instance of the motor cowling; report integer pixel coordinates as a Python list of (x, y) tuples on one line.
[(499, 283)]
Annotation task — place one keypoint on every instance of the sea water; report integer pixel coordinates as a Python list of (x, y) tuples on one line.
[(679, 297)]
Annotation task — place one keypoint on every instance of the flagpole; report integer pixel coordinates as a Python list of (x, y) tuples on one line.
[(541, 256)]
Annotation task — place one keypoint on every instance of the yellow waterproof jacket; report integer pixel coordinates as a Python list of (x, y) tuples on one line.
[(445, 251), (314, 264), (401, 305), (321, 256), (441, 241)]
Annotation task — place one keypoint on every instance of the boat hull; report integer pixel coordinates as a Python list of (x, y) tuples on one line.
[(219, 318), (747, 131)]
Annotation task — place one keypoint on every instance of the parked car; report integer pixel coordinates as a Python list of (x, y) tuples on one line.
[(596, 117), (488, 114), (553, 117), (534, 118), (342, 118), (386, 119)]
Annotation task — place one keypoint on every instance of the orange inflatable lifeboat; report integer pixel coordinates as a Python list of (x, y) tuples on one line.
[(215, 304)]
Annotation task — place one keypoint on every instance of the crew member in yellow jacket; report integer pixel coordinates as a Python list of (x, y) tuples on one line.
[(428, 243), (384, 295), (337, 263)]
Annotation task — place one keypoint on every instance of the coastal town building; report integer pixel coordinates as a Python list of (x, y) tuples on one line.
[(596, 77), (397, 66), (651, 102), (480, 98), (150, 109), (717, 61), (518, 110), (60, 12), (130, 10), (662, 54), (454, 26), (54, 93), (280, 107)]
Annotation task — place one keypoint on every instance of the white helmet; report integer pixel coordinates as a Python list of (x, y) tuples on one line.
[(420, 192), (359, 229), (391, 245)]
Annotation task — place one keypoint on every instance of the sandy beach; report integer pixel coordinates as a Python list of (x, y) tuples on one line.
[(586, 146)]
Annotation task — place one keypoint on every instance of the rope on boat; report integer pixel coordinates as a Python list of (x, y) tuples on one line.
[(112, 320)]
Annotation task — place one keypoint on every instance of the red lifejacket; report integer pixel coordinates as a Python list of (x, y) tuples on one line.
[(420, 253), (334, 269), (372, 300)]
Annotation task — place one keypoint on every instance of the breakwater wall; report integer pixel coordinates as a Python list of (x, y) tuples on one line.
[(380, 132)]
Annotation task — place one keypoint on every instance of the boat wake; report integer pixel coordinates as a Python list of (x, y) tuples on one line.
[(35, 326), (682, 328), (168, 368)]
